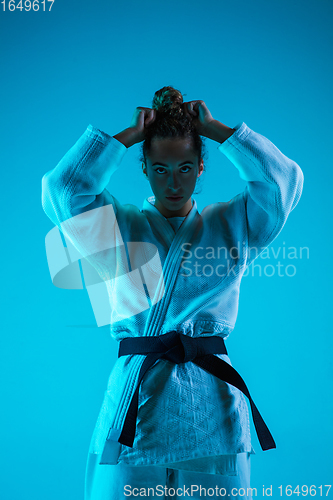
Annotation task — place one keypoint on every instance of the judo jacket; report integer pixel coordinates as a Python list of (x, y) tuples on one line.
[(145, 280)]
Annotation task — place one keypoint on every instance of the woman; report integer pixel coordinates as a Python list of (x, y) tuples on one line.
[(174, 415)]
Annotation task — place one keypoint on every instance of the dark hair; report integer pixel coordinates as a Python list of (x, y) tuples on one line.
[(171, 121)]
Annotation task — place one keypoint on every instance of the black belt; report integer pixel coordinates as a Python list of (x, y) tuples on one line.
[(180, 348)]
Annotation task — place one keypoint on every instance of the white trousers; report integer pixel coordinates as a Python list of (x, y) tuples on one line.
[(116, 482)]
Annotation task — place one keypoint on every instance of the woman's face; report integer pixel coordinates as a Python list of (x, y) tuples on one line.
[(172, 170)]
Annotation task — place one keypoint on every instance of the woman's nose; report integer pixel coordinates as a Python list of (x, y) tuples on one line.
[(173, 182)]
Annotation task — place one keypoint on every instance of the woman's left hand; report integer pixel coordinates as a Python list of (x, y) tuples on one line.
[(200, 115)]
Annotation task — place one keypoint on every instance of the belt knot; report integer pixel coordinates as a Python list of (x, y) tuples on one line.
[(181, 348)]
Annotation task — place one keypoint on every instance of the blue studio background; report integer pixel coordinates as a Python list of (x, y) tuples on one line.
[(267, 63)]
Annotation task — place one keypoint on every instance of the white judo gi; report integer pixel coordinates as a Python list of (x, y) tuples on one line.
[(187, 418)]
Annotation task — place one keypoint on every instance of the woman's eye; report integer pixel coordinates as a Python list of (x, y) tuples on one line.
[(158, 170)]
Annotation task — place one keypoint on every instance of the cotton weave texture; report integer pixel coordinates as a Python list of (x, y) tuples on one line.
[(185, 414)]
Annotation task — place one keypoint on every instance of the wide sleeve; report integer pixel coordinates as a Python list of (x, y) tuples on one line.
[(274, 186), (78, 182), (75, 198)]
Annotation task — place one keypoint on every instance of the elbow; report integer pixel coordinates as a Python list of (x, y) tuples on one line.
[(52, 198), (47, 190), (289, 194), (297, 181)]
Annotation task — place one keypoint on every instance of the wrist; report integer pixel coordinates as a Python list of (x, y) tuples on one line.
[(218, 132), (128, 137)]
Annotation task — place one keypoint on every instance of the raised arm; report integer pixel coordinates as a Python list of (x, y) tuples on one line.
[(77, 184), (274, 185), (74, 194)]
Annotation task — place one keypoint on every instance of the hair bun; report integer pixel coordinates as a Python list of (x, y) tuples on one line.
[(168, 100)]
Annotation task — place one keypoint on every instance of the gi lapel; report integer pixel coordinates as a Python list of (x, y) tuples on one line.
[(160, 226), (172, 262)]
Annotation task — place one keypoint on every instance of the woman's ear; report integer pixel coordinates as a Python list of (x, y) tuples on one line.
[(201, 167), (144, 170)]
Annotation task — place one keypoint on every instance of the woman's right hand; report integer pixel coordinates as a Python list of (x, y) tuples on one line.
[(142, 118)]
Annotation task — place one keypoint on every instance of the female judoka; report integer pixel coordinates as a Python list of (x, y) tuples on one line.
[(174, 421)]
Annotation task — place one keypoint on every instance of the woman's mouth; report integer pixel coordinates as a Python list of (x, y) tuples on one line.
[(174, 198)]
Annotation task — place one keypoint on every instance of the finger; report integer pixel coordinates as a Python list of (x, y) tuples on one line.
[(194, 107), (151, 116)]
